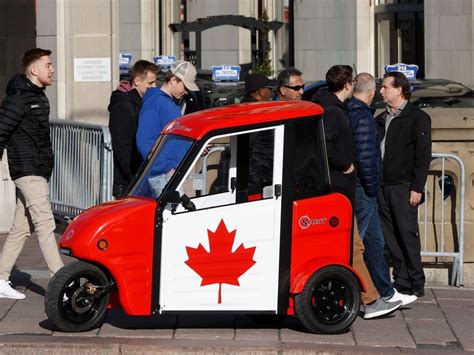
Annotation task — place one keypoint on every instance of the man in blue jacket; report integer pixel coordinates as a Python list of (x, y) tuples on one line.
[(367, 161), (160, 105)]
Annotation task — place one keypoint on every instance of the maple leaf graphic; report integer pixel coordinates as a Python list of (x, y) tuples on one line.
[(220, 265)]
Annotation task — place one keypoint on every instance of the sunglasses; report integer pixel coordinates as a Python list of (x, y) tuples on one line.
[(296, 87)]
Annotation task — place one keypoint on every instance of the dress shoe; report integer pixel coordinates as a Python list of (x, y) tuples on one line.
[(403, 289), (418, 291)]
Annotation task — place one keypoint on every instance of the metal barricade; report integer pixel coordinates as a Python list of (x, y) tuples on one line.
[(438, 240), (83, 166)]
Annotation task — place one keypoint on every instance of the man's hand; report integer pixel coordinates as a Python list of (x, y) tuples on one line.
[(350, 170), (415, 198)]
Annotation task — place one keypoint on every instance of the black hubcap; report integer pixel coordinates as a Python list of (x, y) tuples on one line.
[(79, 305), (331, 301)]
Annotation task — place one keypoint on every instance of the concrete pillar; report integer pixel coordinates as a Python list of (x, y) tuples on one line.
[(78, 30), (449, 40)]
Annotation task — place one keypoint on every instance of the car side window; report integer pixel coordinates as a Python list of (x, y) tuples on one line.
[(236, 169)]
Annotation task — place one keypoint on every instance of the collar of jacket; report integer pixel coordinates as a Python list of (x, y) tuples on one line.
[(355, 104)]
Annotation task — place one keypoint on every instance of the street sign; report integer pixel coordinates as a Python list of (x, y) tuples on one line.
[(225, 72), (125, 59), (410, 70), (164, 61)]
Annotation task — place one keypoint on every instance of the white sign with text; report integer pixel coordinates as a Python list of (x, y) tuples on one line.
[(92, 69)]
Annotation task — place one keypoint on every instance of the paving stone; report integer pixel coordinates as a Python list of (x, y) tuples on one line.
[(290, 335), (454, 293), (458, 311), (257, 334), (429, 297), (423, 311), (90, 333), (16, 322), (463, 329), (455, 302), (431, 331), (390, 331), (108, 330), (209, 334), (392, 322)]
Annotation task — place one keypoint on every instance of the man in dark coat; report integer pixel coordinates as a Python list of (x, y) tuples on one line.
[(367, 162), (405, 131), (24, 131), (124, 109), (340, 152)]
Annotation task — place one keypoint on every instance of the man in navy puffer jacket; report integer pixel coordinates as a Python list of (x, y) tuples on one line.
[(367, 161)]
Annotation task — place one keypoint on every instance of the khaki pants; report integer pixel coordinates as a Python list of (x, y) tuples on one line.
[(33, 212), (371, 294)]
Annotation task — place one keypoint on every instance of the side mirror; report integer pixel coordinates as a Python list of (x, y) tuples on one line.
[(171, 197)]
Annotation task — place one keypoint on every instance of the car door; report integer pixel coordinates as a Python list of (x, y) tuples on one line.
[(224, 255)]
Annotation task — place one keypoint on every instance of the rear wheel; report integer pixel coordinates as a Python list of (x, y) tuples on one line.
[(77, 297), (329, 302)]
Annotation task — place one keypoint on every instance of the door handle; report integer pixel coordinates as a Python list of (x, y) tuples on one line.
[(277, 190)]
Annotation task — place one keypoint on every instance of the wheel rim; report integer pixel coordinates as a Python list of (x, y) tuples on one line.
[(331, 301), (77, 304)]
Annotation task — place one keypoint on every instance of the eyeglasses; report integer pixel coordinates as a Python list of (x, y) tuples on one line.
[(296, 87)]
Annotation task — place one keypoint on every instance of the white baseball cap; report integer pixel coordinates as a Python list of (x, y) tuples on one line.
[(186, 72)]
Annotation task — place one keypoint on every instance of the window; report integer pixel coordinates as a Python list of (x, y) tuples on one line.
[(161, 165), (238, 168)]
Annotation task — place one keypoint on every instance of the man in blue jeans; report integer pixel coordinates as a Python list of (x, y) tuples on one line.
[(367, 162)]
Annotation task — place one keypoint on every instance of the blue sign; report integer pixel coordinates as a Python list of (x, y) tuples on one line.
[(410, 70), (164, 61), (225, 72), (125, 59)]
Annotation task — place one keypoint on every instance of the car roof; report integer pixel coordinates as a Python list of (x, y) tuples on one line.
[(198, 124)]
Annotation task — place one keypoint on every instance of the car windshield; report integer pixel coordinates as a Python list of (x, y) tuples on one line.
[(161, 164)]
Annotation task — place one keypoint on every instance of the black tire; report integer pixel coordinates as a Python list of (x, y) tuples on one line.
[(329, 302), (70, 301)]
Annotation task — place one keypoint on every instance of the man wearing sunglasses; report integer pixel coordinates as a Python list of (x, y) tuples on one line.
[(291, 85)]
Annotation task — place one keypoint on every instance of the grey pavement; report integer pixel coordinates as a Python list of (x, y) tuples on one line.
[(441, 322)]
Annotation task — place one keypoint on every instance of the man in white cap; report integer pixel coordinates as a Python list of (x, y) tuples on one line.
[(160, 105)]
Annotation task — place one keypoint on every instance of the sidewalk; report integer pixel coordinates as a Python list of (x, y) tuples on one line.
[(440, 322)]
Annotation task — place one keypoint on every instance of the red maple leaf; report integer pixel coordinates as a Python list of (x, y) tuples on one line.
[(220, 265)]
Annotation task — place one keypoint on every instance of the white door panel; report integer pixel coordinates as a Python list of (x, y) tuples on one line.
[(256, 226)]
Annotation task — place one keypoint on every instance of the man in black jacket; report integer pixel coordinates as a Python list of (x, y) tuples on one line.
[(367, 162), (124, 108), (340, 152), (24, 130), (406, 150)]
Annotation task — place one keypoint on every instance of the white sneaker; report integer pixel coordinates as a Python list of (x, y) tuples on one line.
[(406, 299), (7, 291)]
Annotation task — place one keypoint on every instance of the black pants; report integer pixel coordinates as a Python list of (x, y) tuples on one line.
[(400, 228)]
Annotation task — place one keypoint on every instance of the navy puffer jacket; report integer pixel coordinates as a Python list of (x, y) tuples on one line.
[(366, 145)]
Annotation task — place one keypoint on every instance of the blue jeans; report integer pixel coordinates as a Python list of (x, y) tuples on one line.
[(370, 230)]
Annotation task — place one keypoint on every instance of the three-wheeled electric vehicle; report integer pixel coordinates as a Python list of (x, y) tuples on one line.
[(232, 212)]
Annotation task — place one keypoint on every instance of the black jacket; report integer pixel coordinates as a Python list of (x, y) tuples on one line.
[(124, 108), (24, 129), (407, 147), (366, 145), (339, 144)]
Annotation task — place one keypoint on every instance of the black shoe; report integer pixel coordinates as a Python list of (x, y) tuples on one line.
[(403, 289), (418, 291)]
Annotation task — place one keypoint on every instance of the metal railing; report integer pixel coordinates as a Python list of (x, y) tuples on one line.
[(83, 166), (457, 274)]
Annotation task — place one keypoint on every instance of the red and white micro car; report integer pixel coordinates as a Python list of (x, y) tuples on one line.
[(264, 236)]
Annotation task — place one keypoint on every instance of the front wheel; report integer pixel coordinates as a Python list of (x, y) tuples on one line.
[(329, 302), (77, 297)]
